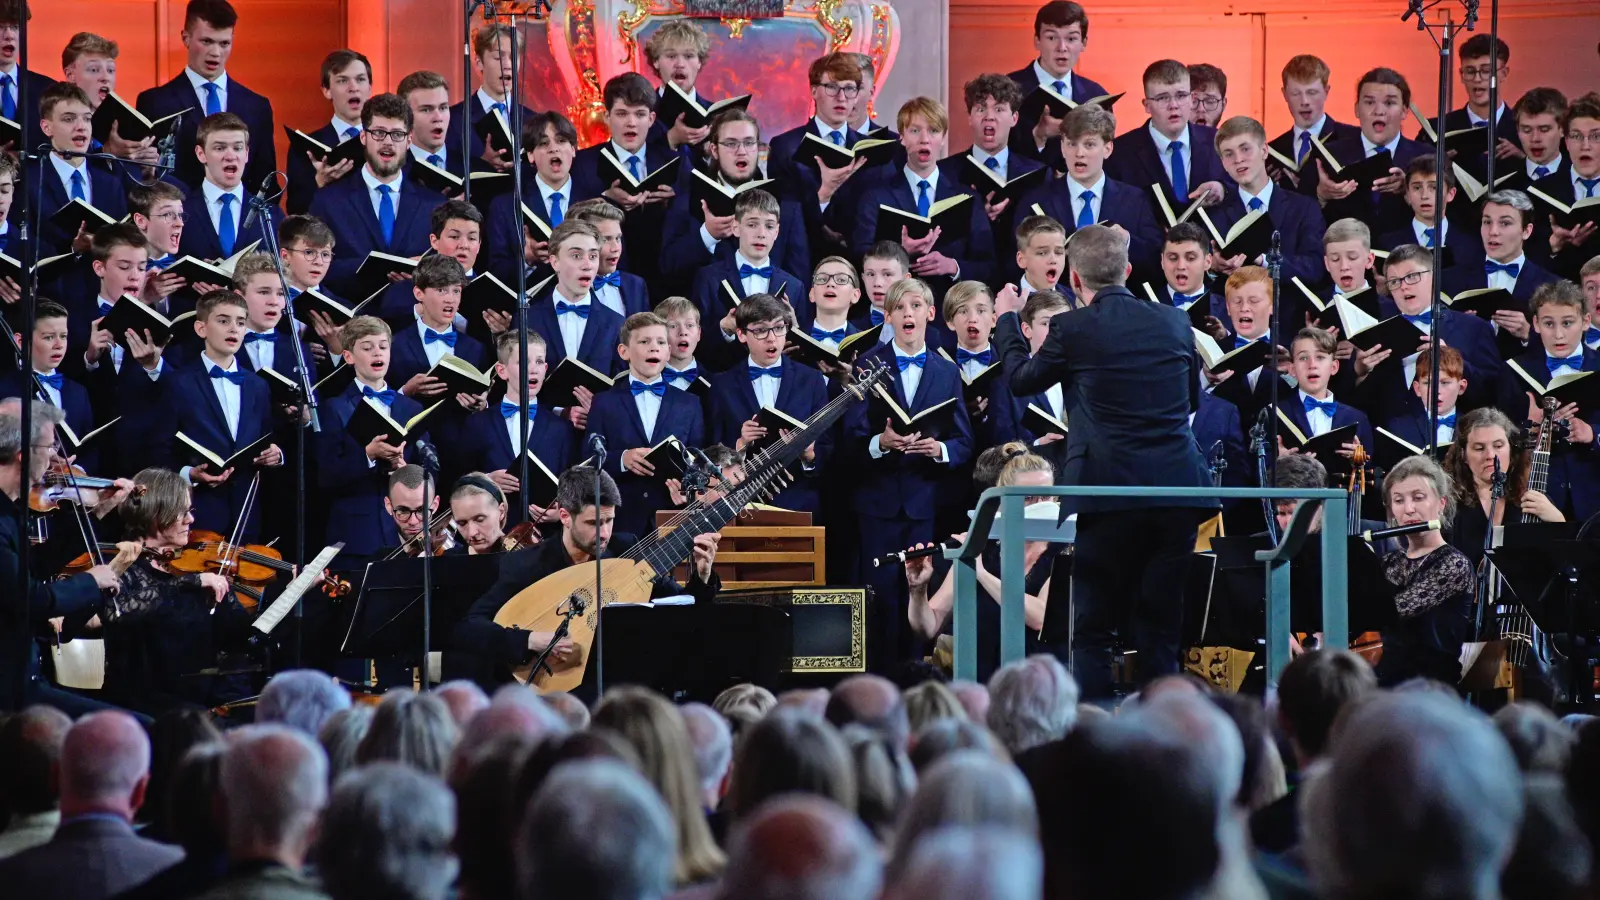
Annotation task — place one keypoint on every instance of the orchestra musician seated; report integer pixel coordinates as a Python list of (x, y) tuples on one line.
[(478, 510), (486, 652), (1485, 437), (1433, 581), (403, 502)]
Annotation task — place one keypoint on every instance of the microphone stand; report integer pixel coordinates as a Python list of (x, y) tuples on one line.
[(1274, 333), (1497, 490), (1258, 443), (599, 554), (430, 470), (259, 207), (1494, 90)]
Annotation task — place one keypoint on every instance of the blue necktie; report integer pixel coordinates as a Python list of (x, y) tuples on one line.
[(1180, 178), (1183, 301), (160, 262), (877, 317), (8, 100), (1060, 87), (1541, 172), (510, 409), (837, 137), (1327, 406), (352, 133), (213, 98), (581, 310), (1422, 319), (992, 164), (689, 374), (924, 203), (1428, 237), (385, 396), (52, 380), (386, 213), (1589, 184), (836, 335), (1490, 267), (1086, 215), (5, 240), (1305, 147), (982, 357), (270, 337), (1591, 334), (236, 376), (448, 338), (1448, 421), (1574, 362), (106, 307), (633, 166), (77, 187), (774, 372), (498, 107), (1255, 204), (614, 279), (639, 387), (227, 233), (906, 362), (745, 271), (556, 215), (436, 160)]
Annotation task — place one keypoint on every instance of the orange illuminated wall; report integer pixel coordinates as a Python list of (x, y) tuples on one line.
[(1552, 43), (278, 47)]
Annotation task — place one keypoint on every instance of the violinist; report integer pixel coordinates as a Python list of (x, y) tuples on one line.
[(1483, 437), (404, 504), (49, 384), (1433, 581), (21, 682), (479, 511), (168, 628)]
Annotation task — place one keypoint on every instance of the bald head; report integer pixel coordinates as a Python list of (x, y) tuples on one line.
[(104, 765), (974, 699), (874, 702), (463, 698), (802, 848), (274, 785), (30, 743)]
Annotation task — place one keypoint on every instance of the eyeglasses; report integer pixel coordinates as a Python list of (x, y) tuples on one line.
[(1478, 73), (841, 279), (406, 513), (1208, 102), (1579, 138), (310, 255), (1409, 278), (171, 217), (833, 89), (746, 144), (393, 137), (1177, 98), (762, 333)]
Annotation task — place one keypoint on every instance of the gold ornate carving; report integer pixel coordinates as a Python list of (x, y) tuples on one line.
[(735, 27), (587, 111), (839, 28), (628, 25)]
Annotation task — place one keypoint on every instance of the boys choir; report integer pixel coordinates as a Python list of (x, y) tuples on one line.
[(701, 285)]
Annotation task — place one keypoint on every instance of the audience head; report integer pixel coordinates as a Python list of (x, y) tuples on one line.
[(341, 735), (274, 785), (464, 699), (884, 780), (595, 831), (1314, 688), (386, 833), (791, 750), (1553, 859), (1032, 701), (303, 699), (1537, 738), (966, 788), (942, 737), (569, 708), (104, 766), (872, 701), (190, 815), (30, 743), (1262, 778), (802, 848), (173, 735), (415, 729), (712, 742), (974, 699), (930, 701), (971, 863)]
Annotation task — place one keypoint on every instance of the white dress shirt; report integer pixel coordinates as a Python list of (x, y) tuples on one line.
[(909, 380), (649, 406), (262, 353), (1163, 149), (1408, 365), (227, 392), (1447, 434), (1076, 191), (1265, 197), (572, 325), (1474, 120), (1048, 80), (932, 178), (515, 419), (1503, 280), (436, 350), (1314, 131), (340, 126), (213, 195), (419, 153), (622, 155), (610, 296), (1372, 149), (824, 130), (487, 102), (546, 192), (52, 395), (1579, 192), (376, 198), (1551, 167), (753, 284), (65, 169), (766, 387), (1002, 158), (198, 83), (1419, 227), (1321, 423)]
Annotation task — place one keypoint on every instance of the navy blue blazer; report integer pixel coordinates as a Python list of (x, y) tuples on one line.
[(802, 391), (452, 135), (105, 193), (974, 253), (1129, 380), (801, 182), (1465, 277), (635, 294), (791, 177), (347, 209), (1410, 422), (1462, 246), (1299, 221), (1123, 204), (682, 251), (1022, 134), (302, 176), (598, 349), (486, 446), (253, 108), (1576, 467), (1284, 143), (642, 228), (1477, 164), (615, 417), (1384, 394), (1343, 414), (28, 118), (190, 405), (1569, 261), (1138, 162), (712, 301), (354, 490), (504, 230), (200, 239), (1388, 211), (408, 358), (897, 486), (1005, 236), (79, 411), (1216, 421)]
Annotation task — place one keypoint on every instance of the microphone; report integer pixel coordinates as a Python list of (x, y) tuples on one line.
[(169, 145), (258, 202), (889, 559), (430, 456), (706, 461), (1379, 534), (597, 447), (1497, 483)]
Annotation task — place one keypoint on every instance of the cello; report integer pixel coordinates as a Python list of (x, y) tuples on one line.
[(1367, 644)]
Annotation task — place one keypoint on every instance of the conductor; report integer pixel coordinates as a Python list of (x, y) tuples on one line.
[(1129, 383)]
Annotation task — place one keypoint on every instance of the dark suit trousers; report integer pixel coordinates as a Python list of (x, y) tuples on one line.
[(1129, 568)]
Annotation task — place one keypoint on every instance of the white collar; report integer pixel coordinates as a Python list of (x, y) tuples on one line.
[(340, 126), (750, 360), (1441, 231), (65, 167), (1305, 396), (1265, 196), (622, 157), (1314, 130), (1573, 172), (1075, 190), (1474, 120), (213, 191), (1553, 165), (932, 178), (739, 259), (199, 81), (1001, 157), (1370, 148), (359, 385), (373, 182), (1162, 141), (546, 190), (823, 128), (423, 327), (486, 102), (232, 366), (906, 353), (1046, 78), (632, 377), (1521, 262), (422, 153)]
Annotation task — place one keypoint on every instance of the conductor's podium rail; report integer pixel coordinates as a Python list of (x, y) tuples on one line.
[(999, 516)]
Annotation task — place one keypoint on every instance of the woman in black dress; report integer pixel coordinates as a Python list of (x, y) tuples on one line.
[(1484, 437), (1433, 581)]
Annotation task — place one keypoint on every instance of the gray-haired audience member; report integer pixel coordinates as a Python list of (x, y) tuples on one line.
[(974, 699), (872, 701), (341, 735), (947, 736), (1420, 798), (790, 751), (1537, 738), (802, 848), (1553, 859), (596, 830), (386, 833), (274, 786), (301, 698), (30, 743), (982, 863), (966, 788), (1032, 701), (713, 749), (102, 772), (464, 698), (415, 729), (569, 708)]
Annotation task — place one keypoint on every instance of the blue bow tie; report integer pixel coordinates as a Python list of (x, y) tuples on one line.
[(983, 357), (639, 387), (836, 335), (386, 395), (1327, 406), (747, 271), (1553, 362), (53, 380), (510, 409), (877, 317), (581, 310), (270, 337), (1421, 318), (1186, 299), (774, 372), (1513, 269), (1240, 341), (106, 307), (689, 374), (1591, 334), (1448, 421), (161, 262), (906, 362), (614, 279), (236, 376), (448, 338)]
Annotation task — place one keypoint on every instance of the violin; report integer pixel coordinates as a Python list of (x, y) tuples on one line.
[(249, 567), (442, 525), (64, 482), (1368, 644)]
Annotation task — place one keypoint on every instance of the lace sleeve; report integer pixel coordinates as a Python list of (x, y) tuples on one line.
[(144, 592), (1427, 582)]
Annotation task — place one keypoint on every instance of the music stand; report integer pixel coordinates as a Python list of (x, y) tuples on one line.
[(388, 612), (695, 651), (1546, 571), (1241, 579)]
